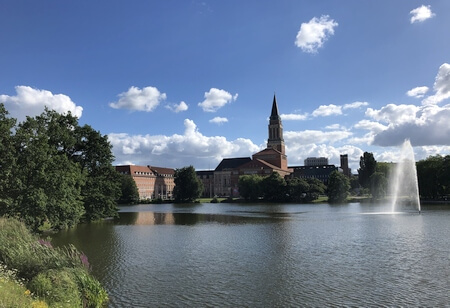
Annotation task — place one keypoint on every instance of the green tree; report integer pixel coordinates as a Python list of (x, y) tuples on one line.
[(250, 187), (103, 185), (433, 175), (297, 189), (316, 188), (188, 186), (378, 185), (367, 166), (7, 159), (274, 187), (338, 187), (130, 193), (48, 183)]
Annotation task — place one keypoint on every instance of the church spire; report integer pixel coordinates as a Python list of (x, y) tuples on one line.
[(274, 115), (276, 140)]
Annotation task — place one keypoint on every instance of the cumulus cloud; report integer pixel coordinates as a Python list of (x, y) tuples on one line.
[(313, 34), (441, 86), (189, 148), (145, 99), (294, 117), (425, 125), (218, 120), (418, 92), (32, 102), (421, 14), (327, 110), (355, 105), (315, 136), (182, 106), (216, 99)]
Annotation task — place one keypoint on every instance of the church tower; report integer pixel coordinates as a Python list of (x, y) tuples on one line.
[(276, 140)]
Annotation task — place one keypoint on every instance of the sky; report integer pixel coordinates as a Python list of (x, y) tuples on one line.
[(179, 83)]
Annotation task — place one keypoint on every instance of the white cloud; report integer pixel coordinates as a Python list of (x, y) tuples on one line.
[(216, 99), (294, 117), (394, 114), (327, 110), (417, 92), (190, 148), (145, 99), (31, 102), (355, 105), (182, 106), (421, 14), (218, 120), (314, 136), (425, 125), (313, 34), (441, 86), (372, 126)]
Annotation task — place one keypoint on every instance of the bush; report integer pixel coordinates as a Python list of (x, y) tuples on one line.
[(59, 275), (58, 287)]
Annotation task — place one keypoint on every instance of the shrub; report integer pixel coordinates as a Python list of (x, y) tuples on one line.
[(58, 287)]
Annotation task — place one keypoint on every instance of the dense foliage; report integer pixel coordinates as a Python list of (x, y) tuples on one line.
[(59, 277), (188, 186), (367, 166), (130, 193), (55, 171), (433, 175), (338, 187), (275, 188)]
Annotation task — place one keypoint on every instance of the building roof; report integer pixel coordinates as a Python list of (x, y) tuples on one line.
[(162, 171), (274, 114), (267, 151), (232, 163), (134, 170)]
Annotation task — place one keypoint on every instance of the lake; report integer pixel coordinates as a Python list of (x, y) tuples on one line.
[(269, 255)]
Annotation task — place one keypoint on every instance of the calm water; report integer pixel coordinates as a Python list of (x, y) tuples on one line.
[(210, 255)]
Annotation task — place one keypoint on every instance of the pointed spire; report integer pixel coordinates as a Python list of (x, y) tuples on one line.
[(274, 114)]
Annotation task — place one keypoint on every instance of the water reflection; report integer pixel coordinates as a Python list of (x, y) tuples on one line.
[(263, 255), (154, 218)]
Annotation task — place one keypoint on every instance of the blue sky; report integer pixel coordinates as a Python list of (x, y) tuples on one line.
[(177, 83)]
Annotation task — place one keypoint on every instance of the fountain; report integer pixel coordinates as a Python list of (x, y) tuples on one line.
[(404, 185)]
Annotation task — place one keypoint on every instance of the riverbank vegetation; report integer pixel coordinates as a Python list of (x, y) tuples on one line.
[(35, 274)]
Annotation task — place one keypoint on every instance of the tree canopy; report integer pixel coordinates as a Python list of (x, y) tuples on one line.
[(188, 186), (338, 187), (58, 171), (367, 166)]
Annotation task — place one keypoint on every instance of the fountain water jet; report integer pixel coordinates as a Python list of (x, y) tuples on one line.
[(404, 185)]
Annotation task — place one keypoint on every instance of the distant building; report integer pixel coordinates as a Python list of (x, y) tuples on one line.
[(151, 182), (271, 159), (316, 161), (344, 165), (321, 173)]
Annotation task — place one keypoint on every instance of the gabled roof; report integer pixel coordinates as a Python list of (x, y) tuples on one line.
[(232, 163), (258, 163), (267, 151)]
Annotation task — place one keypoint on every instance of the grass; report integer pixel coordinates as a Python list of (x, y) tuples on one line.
[(57, 276)]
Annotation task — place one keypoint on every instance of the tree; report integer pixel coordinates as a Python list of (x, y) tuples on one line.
[(368, 165), (130, 193), (55, 171), (103, 185), (274, 187), (7, 159), (316, 188), (433, 175), (48, 182), (250, 186), (297, 189), (338, 187), (378, 185), (188, 186)]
